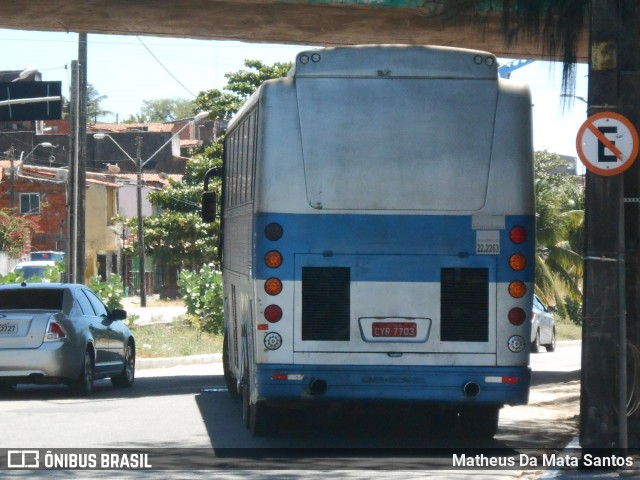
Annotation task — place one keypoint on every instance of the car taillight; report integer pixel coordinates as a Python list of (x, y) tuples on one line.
[(55, 332)]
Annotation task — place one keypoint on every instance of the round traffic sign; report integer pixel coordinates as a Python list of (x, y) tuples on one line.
[(607, 143)]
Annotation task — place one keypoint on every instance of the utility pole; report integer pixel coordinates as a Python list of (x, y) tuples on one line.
[(82, 158), (72, 184), (12, 197), (629, 106), (612, 237), (143, 290), (77, 180)]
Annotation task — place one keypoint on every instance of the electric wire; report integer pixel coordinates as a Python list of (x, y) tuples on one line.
[(165, 68)]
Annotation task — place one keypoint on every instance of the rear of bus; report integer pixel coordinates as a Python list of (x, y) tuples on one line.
[(393, 245)]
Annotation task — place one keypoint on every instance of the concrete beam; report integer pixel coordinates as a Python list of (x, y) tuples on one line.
[(305, 22)]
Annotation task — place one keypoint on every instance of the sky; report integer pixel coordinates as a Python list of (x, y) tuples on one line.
[(131, 69)]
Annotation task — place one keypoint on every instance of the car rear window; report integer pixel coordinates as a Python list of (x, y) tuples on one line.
[(32, 299)]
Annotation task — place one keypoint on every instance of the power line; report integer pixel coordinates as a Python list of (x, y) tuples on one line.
[(165, 68)]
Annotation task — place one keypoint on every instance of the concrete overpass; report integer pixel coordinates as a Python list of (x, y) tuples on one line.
[(306, 22)]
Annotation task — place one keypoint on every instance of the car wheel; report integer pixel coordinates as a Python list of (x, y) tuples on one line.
[(84, 383), (125, 379), (551, 347), (229, 379), (535, 345)]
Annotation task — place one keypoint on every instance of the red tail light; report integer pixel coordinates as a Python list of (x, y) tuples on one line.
[(517, 316), (273, 231), (518, 234), (55, 332), (273, 313)]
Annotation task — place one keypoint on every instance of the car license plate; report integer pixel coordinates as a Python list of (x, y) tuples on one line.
[(8, 328), (394, 329)]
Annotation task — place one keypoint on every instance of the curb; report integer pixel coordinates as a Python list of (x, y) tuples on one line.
[(165, 362)]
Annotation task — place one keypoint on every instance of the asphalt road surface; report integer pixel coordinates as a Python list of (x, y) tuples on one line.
[(187, 412)]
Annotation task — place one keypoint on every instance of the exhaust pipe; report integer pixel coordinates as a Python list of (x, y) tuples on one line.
[(471, 389), (317, 387)]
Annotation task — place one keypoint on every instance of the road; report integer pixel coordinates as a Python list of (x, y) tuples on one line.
[(188, 407)]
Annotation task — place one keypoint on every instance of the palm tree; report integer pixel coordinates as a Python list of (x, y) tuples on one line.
[(559, 230), (94, 99)]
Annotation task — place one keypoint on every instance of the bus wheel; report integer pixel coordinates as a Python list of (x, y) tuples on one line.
[(229, 379), (480, 422)]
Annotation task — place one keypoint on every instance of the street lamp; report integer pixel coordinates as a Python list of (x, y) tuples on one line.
[(42, 144), (140, 164), (23, 158)]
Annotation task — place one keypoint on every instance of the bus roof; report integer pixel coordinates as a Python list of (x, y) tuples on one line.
[(391, 61)]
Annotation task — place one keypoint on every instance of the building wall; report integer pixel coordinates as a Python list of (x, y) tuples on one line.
[(128, 201), (53, 214), (101, 235)]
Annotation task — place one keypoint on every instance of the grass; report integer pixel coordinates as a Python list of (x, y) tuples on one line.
[(567, 330), (174, 340)]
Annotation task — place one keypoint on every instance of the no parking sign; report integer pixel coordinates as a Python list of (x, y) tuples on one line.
[(607, 143)]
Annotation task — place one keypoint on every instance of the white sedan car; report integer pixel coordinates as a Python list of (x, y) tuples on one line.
[(543, 327)]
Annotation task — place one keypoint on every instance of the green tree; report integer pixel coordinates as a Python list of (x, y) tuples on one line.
[(244, 82), (166, 109), (177, 235), (94, 104), (559, 232), (240, 85), (221, 105)]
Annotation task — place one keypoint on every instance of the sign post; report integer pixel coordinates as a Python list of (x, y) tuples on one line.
[(607, 143)]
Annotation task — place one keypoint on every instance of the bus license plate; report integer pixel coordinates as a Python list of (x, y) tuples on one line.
[(8, 328), (394, 329)]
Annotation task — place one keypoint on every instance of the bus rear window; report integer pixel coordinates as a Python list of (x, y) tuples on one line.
[(397, 144)]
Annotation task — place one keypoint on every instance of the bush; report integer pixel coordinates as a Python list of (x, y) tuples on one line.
[(110, 292), (50, 274), (202, 295)]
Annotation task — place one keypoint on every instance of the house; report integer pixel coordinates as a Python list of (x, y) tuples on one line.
[(42, 191)]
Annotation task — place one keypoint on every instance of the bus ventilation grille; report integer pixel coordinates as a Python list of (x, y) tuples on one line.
[(464, 305), (325, 303)]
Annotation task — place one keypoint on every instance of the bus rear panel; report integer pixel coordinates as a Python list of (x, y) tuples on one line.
[(379, 232)]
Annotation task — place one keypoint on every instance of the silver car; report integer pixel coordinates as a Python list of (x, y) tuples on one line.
[(62, 333), (543, 327)]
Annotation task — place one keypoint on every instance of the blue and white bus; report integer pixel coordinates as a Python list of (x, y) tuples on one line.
[(378, 235)]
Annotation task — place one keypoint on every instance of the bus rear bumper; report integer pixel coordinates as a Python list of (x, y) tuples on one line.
[(453, 385)]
